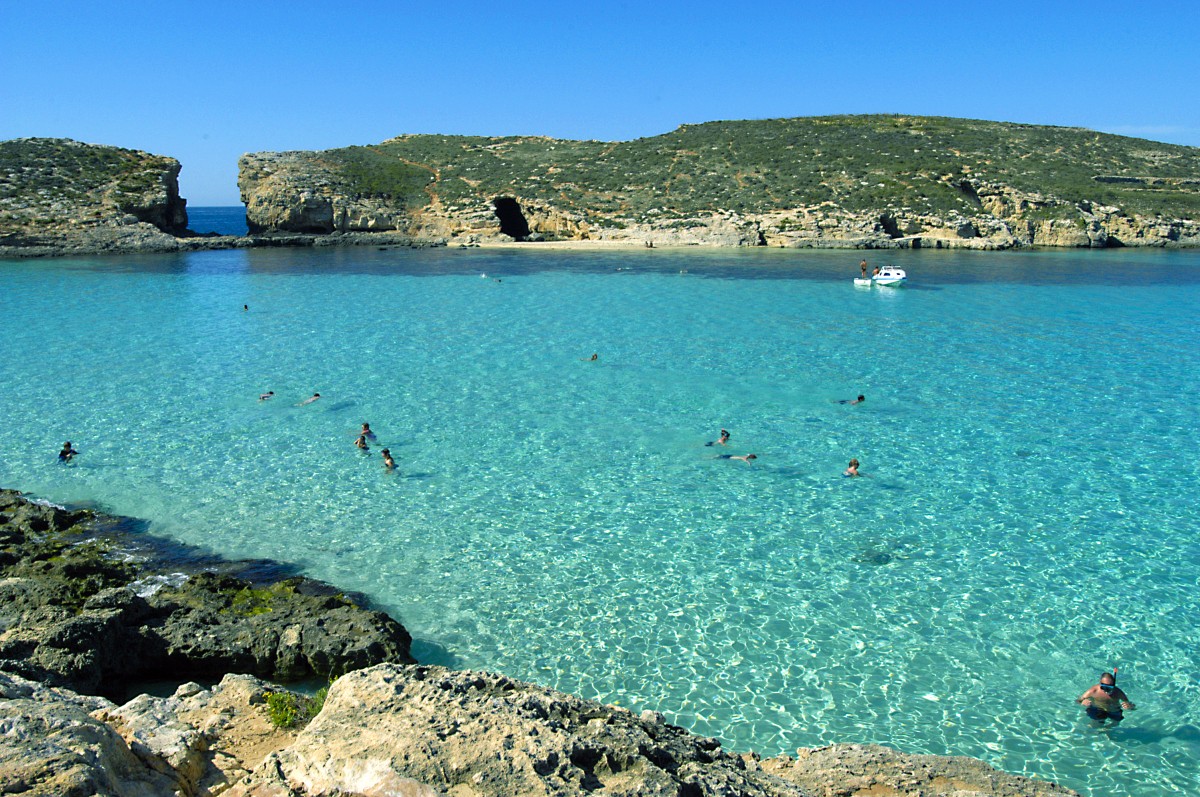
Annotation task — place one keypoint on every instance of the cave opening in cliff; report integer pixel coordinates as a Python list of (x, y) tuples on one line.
[(512, 220)]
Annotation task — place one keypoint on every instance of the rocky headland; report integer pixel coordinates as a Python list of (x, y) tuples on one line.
[(867, 182), (92, 606), (60, 197), (824, 182)]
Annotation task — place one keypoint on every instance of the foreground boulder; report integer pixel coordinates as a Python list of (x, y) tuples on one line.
[(74, 613), (394, 730)]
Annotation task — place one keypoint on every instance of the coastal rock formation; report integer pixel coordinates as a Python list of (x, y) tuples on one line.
[(422, 732), (832, 182), (77, 611), (57, 193)]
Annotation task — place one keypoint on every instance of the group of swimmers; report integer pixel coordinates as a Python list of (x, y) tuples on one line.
[(723, 439), (361, 444)]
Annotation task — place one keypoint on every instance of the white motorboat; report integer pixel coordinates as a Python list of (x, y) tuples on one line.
[(889, 276)]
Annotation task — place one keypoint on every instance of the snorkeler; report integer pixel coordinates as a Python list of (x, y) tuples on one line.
[(68, 453), (743, 457), (309, 400), (388, 462), (720, 441), (1105, 700)]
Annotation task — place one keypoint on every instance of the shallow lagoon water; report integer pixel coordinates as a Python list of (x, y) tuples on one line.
[(1029, 434)]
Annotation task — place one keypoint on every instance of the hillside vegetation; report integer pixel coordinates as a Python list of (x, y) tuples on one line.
[(924, 165)]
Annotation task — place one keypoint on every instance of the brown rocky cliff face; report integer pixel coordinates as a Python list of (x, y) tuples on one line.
[(299, 192), (59, 196)]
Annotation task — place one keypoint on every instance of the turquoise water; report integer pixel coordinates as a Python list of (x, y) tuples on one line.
[(1029, 432)]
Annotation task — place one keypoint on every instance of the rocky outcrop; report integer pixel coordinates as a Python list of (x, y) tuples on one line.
[(422, 732), (85, 604), (467, 190), (57, 194)]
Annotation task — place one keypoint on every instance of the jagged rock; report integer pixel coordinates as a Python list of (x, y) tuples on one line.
[(50, 746), (71, 615), (426, 730), (846, 770)]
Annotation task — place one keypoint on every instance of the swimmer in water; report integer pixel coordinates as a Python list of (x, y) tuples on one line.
[(861, 398), (852, 469), (68, 453), (309, 400), (744, 457), (388, 462), (595, 356), (366, 431), (266, 396), (1105, 700), (361, 443), (720, 441)]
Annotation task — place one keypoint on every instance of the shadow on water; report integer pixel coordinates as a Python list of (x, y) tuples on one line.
[(158, 555), (1141, 735), (429, 652)]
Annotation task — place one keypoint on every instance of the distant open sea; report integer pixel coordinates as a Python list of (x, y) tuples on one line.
[(1030, 516), (224, 220)]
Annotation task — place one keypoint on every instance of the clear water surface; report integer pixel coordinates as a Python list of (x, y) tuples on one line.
[(1030, 516)]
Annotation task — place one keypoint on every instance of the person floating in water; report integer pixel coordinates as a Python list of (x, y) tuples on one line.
[(743, 457), (366, 432), (309, 400), (361, 443), (595, 356), (68, 453), (1105, 700), (863, 266), (861, 398), (266, 396), (388, 462), (852, 469), (720, 441)]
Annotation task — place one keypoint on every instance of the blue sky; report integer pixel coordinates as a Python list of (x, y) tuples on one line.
[(205, 82)]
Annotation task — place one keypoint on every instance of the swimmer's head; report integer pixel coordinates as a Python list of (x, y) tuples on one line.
[(385, 451), (862, 398), (1108, 679), (751, 456), (853, 463)]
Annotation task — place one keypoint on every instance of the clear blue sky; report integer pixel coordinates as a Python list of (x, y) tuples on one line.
[(205, 82)]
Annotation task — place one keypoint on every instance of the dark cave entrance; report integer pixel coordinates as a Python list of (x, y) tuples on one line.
[(512, 220)]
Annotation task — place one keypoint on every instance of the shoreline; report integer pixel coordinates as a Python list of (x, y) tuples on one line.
[(154, 241), (388, 718)]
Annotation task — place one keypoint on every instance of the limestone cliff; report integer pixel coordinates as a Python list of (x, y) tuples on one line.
[(59, 193), (837, 182)]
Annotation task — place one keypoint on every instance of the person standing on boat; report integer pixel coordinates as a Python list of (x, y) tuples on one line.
[(863, 266)]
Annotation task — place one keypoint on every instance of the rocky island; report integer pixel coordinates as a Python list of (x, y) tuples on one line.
[(815, 182), (92, 607), (829, 182)]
